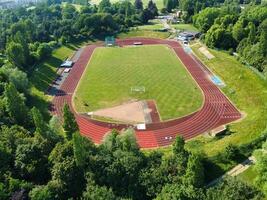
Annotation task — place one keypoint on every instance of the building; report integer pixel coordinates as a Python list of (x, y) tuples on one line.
[(188, 35)]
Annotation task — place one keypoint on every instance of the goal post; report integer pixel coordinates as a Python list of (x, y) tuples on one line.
[(138, 89)]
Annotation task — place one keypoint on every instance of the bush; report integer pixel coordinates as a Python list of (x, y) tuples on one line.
[(231, 152)]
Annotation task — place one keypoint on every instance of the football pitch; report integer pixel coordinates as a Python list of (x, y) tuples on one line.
[(118, 75)]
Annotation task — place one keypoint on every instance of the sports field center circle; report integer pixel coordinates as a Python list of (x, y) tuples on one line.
[(217, 109)]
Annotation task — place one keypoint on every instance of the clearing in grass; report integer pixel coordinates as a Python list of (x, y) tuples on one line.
[(112, 74)]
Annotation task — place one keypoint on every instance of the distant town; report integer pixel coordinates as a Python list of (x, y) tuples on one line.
[(5, 4)]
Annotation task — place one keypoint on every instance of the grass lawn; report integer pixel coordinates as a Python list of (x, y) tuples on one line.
[(184, 27), (247, 91), (113, 71), (159, 3), (152, 25), (248, 176), (141, 32)]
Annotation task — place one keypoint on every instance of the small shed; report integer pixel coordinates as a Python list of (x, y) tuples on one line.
[(189, 35)]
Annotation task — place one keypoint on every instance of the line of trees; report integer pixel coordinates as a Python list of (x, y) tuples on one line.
[(28, 36), (193, 7)]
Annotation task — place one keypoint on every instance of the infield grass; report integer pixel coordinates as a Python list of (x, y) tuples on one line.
[(111, 73)]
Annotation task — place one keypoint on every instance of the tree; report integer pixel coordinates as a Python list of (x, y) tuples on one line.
[(15, 54), (40, 125), (70, 125), (238, 30), (96, 192), (40, 193), (263, 37), (219, 37), (138, 4), (205, 19), (43, 51), (194, 175), (17, 77), (178, 145), (181, 192), (43, 129), (31, 160), (70, 176), (152, 7), (83, 149), (15, 105), (104, 6), (252, 33), (233, 189), (170, 4)]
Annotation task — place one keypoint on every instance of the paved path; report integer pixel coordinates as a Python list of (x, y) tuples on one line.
[(238, 169), (217, 109)]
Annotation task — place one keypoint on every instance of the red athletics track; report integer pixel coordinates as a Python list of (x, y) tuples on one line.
[(216, 110)]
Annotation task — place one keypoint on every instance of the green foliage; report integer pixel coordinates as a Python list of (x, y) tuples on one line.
[(205, 19), (170, 4), (233, 189), (83, 150), (138, 4), (43, 51), (96, 192), (218, 37), (194, 174), (70, 176), (181, 192), (227, 28), (231, 152), (17, 77), (40, 193), (104, 6), (261, 167), (70, 125), (15, 105), (31, 159), (15, 54), (40, 125)]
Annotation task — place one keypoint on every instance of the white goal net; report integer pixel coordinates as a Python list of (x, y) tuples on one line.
[(138, 89)]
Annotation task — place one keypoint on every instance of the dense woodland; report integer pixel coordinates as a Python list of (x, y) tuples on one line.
[(45, 159)]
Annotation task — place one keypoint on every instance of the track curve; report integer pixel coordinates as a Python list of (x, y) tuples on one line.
[(217, 109)]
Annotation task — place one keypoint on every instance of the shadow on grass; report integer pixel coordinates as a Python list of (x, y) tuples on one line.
[(46, 74), (212, 170)]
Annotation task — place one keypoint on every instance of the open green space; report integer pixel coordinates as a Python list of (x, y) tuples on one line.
[(154, 24), (248, 176), (247, 90), (184, 27), (112, 72), (141, 32)]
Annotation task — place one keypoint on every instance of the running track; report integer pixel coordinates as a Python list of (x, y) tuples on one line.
[(217, 110)]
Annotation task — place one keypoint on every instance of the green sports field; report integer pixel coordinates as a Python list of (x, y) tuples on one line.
[(112, 72)]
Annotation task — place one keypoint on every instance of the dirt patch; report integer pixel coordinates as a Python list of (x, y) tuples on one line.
[(134, 112), (206, 52)]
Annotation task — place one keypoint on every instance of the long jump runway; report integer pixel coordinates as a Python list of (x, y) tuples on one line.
[(217, 110)]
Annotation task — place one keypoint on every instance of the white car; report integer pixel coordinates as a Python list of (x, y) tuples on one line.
[(67, 70)]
